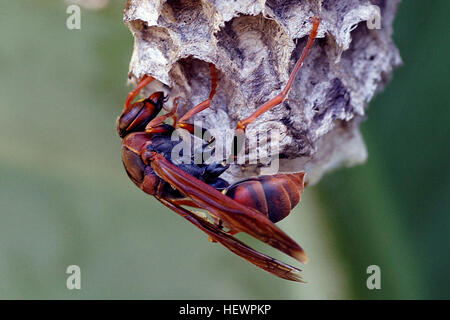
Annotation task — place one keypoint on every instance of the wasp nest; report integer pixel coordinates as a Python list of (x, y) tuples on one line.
[(254, 45)]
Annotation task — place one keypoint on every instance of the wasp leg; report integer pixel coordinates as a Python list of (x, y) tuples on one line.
[(146, 79), (203, 105), (185, 202), (161, 119), (279, 98), (188, 202)]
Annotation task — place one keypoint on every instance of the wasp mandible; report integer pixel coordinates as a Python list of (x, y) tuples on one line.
[(251, 205)]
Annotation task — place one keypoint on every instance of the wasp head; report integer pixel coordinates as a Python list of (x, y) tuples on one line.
[(139, 114)]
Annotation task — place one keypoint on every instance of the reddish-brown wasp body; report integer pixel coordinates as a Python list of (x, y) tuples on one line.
[(252, 205)]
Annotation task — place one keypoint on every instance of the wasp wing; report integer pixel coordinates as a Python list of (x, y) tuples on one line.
[(260, 260), (236, 215)]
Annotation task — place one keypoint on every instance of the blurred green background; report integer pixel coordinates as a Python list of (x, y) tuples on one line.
[(65, 198)]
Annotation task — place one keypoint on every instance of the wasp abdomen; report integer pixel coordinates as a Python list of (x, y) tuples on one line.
[(274, 196)]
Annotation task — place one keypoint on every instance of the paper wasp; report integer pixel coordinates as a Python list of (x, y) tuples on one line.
[(252, 205)]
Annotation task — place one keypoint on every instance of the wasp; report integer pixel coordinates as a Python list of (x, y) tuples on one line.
[(252, 205)]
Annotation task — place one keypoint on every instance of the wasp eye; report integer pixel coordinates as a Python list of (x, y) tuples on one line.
[(139, 114), (127, 118)]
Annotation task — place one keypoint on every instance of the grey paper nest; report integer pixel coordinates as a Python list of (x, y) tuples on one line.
[(254, 45)]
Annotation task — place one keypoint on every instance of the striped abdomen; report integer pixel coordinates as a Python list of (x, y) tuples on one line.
[(274, 196)]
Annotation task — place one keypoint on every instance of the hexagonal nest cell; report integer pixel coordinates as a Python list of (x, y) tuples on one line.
[(254, 46)]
